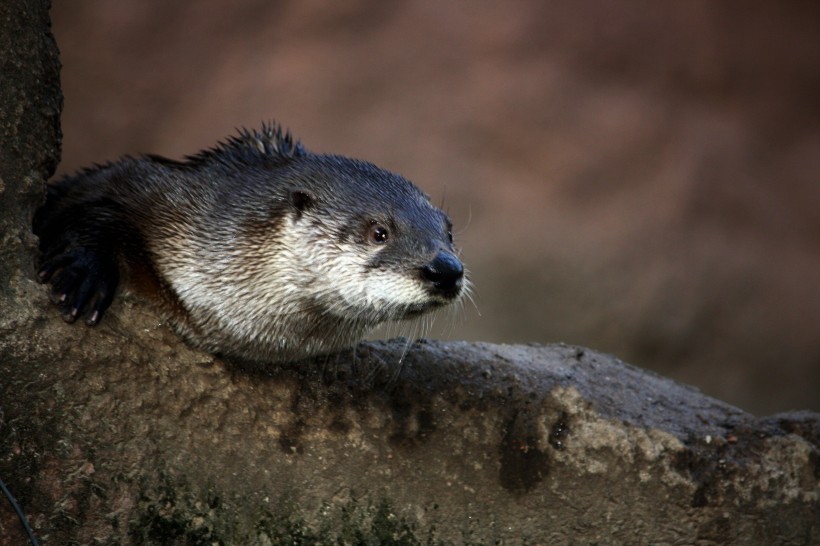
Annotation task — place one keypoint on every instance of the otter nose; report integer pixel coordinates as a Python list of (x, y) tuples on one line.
[(445, 272)]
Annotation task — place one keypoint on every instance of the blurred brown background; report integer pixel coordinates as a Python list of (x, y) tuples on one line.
[(642, 178)]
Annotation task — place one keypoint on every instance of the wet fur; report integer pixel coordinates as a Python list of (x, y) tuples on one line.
[(256, 248)]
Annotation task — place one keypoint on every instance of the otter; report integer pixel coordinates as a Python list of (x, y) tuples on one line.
[(255, 248)]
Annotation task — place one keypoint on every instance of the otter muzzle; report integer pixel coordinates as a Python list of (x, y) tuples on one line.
[(445, 274)]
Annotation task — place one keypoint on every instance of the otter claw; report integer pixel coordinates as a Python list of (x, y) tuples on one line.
[(71, 316), (82, 283)]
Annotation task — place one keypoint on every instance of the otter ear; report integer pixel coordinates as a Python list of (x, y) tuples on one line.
[(301, 200)]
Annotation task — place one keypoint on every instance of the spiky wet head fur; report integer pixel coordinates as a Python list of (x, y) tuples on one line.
[(269, 252)]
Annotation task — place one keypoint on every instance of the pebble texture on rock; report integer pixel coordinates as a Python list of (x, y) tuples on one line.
[(123, 435), (135, 439)]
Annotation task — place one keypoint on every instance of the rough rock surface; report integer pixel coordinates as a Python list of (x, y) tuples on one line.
[(123, 435)]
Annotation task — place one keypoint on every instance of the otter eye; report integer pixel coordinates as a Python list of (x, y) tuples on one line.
[(377, 233)]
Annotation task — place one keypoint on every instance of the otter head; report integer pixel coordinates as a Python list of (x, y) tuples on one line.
[(312, 251), (377, 250)]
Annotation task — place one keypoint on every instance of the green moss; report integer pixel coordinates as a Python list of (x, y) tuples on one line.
[(357, 522), (170, 515)]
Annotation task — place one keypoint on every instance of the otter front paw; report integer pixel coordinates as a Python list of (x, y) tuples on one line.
[(82, 283)]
